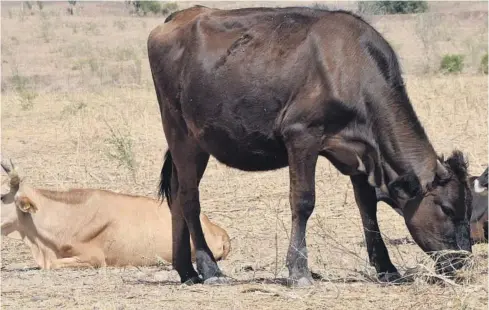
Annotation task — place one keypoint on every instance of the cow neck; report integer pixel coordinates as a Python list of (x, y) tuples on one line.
[(402, 141), (37, 234)]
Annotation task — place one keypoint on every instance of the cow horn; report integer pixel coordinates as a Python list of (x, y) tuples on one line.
[(361, 165), (5, 167), (12, 174), (441, 171)]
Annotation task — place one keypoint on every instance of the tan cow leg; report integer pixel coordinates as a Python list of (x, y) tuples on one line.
[(80, 256), (70, 262)]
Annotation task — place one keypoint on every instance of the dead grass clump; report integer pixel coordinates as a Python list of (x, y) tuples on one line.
[(46, 32), (20, 84), (73, 109), (120, 24), (92, 29), (120, 148), (483, 65), (125, 53), (135, 71)]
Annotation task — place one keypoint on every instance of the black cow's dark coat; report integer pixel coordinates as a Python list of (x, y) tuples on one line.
[(266, 88)]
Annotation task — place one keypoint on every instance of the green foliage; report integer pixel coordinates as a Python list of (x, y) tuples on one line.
[(71, 8), (145, 7), (40, 5), (392, 7), (155, 7), (483, 66), (452, 63)]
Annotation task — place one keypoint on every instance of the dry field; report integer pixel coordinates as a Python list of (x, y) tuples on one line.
[(79, 110)]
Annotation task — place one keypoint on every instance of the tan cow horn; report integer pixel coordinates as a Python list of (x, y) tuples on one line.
[(5, 167), (13, 175)]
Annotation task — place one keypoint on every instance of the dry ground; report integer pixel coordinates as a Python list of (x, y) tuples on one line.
[(79, 110)]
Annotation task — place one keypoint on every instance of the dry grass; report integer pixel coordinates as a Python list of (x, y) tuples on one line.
[(89, 92)]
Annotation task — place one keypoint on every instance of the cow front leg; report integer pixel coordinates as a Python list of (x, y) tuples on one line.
[(302, 151), (77, 262), (80, 255), (366, 200)]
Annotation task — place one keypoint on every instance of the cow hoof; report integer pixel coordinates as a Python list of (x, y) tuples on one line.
[(301, 282), (391, 277), (192, 281), (218, 280)]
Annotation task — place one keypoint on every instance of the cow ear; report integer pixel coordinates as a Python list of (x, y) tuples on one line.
[(26, 205), (406, 186)]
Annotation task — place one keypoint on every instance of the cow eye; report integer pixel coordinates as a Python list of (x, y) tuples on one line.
[(447, 210)]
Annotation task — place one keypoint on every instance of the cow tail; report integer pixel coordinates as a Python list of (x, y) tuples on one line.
[(165, 178)]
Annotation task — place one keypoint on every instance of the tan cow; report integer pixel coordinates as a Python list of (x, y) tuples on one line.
[(94, 228)]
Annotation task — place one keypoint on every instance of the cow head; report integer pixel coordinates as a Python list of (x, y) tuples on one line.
[(438, 215), (12, 201)]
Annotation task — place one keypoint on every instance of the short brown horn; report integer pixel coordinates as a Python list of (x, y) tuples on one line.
[(5, 167)]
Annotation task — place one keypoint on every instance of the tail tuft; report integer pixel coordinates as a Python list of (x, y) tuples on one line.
[(165, 178)]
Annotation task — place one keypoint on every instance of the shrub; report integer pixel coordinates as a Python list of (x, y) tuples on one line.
[(393, 7), (155, 7), (453, 63), (26, 95), (71, 8), (146, 6), (483, 66)]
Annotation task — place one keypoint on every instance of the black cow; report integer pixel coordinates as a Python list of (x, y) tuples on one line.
[(265, 88)]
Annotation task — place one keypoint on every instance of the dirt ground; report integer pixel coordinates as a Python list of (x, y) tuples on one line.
[(79, 110)]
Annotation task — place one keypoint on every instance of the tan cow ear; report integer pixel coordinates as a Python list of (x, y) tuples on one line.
[(26, 205)]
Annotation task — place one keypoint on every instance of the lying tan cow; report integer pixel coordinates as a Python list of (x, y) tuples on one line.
[(94, 228)]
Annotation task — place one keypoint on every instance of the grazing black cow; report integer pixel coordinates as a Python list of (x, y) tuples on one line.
[(265, 88)]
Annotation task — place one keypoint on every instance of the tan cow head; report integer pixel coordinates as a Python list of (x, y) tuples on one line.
[(13, 201)]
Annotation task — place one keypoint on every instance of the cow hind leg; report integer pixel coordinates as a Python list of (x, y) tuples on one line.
[(181, 250), (71, 262), (88, 258), (189, 165)]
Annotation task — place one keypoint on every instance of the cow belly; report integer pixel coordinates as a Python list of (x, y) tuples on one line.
[(248, 151), (144, 254)]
